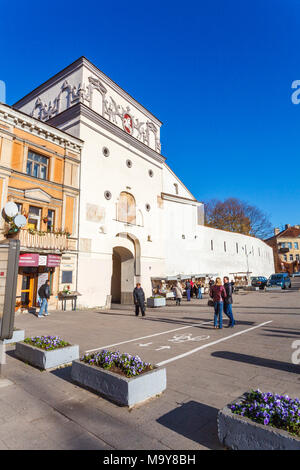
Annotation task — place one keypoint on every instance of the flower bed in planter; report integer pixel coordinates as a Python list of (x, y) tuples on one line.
[(260, 421), (18, 335), (156, 302), (122, 378), (46, 352)]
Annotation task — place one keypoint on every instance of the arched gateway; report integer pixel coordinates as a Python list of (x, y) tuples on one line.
[(126, 268)]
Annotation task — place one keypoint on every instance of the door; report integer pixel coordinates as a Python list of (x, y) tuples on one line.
[(27, 290)]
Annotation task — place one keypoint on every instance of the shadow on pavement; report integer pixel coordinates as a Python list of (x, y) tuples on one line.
[(285, 332), (195, 421), (257, 361)]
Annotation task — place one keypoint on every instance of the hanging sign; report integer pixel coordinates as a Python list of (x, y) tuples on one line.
[(53, 261), (29, 259)]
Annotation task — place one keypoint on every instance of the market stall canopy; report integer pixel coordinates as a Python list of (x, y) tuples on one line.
[(182, 277)]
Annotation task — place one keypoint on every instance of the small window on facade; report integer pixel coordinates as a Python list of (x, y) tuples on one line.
[(297, 257), (105, 151), (290, 245), (237, 247), (285, 257), (67, 277), (211, 244), (37, 165), (296, 246), (20, 207), (50, 221), (34, 218), (129, 163), (176, 188), (291, 257), (148, 207), (150, 173), (258, 252), (224, 246)]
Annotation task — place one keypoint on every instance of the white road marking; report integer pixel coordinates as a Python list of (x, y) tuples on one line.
[(150, 336), (163, 347), (210, 344), (183, 338), (144, 344)]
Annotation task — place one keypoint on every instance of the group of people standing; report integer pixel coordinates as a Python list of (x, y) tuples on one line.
[(221, 295), (192, 288)]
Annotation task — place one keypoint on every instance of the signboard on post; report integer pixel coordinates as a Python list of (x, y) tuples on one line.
[(9, 264)]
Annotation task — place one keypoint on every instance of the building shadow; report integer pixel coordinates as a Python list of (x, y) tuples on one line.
[(195, 421), (285, 332), (257, 361)]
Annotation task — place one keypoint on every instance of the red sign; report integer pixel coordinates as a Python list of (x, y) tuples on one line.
[(29, 259), (53, 261), (127, 123)]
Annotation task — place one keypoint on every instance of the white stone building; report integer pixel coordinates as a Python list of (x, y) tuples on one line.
[(137, 220)]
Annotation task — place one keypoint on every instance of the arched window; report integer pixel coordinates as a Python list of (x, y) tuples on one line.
[(126, 208)]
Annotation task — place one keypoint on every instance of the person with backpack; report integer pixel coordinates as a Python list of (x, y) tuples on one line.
[(44, 293), (227, 306), (218, 294)]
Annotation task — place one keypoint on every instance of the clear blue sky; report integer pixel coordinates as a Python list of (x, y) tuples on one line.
[(218, 74)]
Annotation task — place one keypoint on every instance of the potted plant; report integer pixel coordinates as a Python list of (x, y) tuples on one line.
[(156, 301), (46, 352), (122, 378), (260, 421)]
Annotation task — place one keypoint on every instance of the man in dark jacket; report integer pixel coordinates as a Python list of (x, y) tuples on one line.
[(227, 306), (139, 300), (44, 293)]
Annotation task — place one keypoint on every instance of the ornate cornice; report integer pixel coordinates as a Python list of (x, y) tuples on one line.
[(46, 131), (81, 110), (83, 61)]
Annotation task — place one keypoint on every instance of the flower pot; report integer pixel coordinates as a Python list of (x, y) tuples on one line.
[(241, 433), (156, 302), (120, 389), (44, 359)]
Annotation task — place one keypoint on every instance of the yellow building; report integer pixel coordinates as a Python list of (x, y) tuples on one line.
[(39, 172), (286, 247)]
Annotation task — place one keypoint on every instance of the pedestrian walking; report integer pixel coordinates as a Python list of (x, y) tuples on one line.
[(218, 294), (178, 293), (199, 291), (44, 294), (192, 288), (196, 289), (227, 306), (188, 290), (139, 300)]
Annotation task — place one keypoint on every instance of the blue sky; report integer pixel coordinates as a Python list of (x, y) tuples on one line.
[(218, 74)]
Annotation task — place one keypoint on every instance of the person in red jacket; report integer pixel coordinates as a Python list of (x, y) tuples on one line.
[(218, 294)]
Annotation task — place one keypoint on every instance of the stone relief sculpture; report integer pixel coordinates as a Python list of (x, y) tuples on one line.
[(115, 113)]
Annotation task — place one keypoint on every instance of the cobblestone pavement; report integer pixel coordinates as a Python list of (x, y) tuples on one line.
[(206, 368)]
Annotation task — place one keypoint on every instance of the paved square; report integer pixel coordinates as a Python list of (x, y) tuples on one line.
[(206, 368)]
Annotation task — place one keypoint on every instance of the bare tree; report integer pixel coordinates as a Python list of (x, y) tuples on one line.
[(237, 216)]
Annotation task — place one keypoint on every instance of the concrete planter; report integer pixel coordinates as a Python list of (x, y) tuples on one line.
[(241, 433), (46, 359), (156, 302), (120, 389), (18, 335)]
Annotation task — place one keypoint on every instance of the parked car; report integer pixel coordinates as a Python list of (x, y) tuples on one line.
[(279, 280), (259, 281), (296, 274)]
